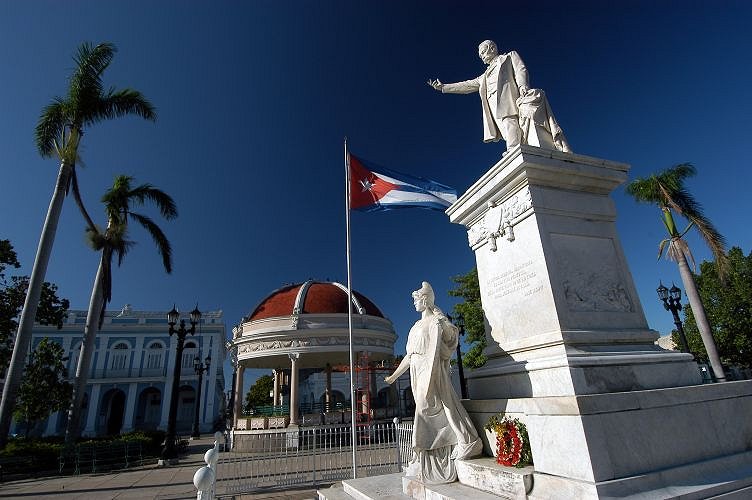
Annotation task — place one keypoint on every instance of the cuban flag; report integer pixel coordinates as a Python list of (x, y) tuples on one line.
[(374, 188)]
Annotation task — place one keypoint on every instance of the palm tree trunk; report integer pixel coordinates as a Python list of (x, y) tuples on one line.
[(700, 318), (29, 312), (73, 429)]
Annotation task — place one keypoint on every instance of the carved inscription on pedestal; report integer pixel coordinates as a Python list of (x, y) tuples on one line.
[(519, 281)]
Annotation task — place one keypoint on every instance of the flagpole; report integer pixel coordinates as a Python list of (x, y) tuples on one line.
[(349, 313)]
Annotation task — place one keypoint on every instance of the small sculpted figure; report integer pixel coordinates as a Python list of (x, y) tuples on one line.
[(442, 430), (501, 87)]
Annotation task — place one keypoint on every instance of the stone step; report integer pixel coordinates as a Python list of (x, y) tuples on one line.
[(486, 475), (451, 491), (336, 492), (479, 479), (388, 486)]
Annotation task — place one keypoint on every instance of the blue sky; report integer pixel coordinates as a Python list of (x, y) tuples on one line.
[(254, 100)]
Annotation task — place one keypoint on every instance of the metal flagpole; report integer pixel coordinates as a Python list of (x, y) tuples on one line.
[(349, 313)]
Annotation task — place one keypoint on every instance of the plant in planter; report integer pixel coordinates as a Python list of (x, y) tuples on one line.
[(512, 447)]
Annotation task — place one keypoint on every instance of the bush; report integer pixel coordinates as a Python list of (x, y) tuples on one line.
[(22, 456)]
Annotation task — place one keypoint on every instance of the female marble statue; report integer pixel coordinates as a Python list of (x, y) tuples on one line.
[(442, 430)]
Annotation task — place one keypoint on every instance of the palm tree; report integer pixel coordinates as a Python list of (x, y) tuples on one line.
[(113, 241), (666, 189), (59, 132)]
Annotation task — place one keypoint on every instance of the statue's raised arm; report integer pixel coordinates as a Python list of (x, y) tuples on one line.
[(501, 86)]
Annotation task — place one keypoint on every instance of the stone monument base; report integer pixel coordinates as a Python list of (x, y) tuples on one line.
[(680, 442)]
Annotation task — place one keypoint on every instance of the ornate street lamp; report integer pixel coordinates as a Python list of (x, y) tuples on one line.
[(200, 370), (170, 452), (233, 350), (672, 302), (459, 322)]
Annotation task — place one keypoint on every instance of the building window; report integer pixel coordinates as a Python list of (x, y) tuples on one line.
[(120, 357), (154, 356), (189, 352)]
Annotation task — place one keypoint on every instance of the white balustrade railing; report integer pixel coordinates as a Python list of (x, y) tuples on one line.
[(205, 479)]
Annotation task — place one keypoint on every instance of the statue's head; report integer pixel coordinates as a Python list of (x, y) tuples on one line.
[(487, 51), (423, 297)]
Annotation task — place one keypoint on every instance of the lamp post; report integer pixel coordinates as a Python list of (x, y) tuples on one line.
[(459, 322), (234, 362), (672, 302), (200, 370), (170, 452)]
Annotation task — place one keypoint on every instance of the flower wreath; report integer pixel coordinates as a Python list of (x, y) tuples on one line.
[(512, 445)]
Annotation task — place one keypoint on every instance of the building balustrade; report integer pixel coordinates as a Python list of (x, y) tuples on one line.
[(135, 372)]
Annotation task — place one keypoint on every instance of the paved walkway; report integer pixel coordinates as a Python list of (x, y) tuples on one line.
[(148, 482)]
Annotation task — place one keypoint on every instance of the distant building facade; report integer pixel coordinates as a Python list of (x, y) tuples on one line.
[(132, 371)]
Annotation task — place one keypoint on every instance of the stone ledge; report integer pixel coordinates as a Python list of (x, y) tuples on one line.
[(486, 475), (413, 488)]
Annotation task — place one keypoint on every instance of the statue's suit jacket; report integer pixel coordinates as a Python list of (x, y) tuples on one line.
[(510, 74)]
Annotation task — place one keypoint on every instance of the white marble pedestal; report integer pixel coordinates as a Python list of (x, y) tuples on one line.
[(563, 314), (609, 413)]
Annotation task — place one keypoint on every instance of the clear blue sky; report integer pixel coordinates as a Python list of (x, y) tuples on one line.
[(254, 99)]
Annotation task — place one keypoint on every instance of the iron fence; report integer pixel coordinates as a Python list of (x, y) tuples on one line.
[(311, 456)]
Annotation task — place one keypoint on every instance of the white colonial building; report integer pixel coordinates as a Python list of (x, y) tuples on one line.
[(132, 371)]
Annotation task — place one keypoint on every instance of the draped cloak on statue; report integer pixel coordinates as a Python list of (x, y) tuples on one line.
[(442, 430)]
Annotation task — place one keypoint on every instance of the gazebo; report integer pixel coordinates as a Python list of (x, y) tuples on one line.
[(305, 326)]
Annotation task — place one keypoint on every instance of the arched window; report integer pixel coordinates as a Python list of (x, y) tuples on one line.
[(190, 350), (154, 356), (120, 356)]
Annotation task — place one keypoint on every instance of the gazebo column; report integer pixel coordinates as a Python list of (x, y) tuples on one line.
[(275, 393), (328, 391), (238, 408), (294, 416)]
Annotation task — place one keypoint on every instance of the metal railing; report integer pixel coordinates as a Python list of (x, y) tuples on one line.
[(311, 456)]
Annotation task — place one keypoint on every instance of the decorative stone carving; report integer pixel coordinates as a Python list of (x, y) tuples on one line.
[(498, 220), (588, 287)]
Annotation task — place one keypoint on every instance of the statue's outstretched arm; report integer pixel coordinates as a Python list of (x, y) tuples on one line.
[(402, 368), (466, 87)]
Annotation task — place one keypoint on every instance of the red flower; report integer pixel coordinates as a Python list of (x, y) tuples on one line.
[(508, 444)]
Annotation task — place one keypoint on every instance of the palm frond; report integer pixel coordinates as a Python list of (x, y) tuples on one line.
[(85, 88), (661, 246), (79, 201), (668, 191), (95, 238), (163, 244), (163, 201), (123, 102), (679, 247), (51, 126)]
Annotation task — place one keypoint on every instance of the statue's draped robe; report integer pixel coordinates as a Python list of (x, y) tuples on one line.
[(442, 430)]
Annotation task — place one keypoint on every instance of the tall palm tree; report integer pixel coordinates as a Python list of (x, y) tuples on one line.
[(666, 189), (118, 201), (58, 133)]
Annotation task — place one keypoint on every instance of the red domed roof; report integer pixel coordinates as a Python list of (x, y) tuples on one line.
[(315, 298)]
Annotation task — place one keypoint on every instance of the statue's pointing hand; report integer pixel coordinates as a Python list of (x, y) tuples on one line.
[(436, 84)]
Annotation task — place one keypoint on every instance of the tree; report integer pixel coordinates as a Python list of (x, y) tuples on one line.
[(118, 202), (472, 311), (59, 132), (728, 305), (44, 389), (258, 394), (51, 311), (666, 189)]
